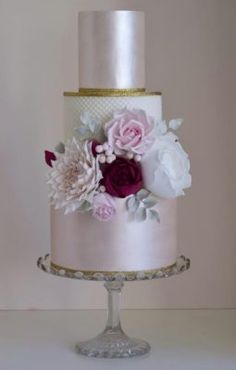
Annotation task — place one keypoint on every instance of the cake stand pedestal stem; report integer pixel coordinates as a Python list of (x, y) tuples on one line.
[(113, 342), (114, 293)]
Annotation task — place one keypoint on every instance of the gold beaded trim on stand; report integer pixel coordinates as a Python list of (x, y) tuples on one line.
[(128, 275), (110, 92), (182, 264)]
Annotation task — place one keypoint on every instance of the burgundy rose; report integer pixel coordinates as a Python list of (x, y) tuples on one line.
[(122, 177), (49, 157)]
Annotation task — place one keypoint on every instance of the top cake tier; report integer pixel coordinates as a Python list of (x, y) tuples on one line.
[(112, 50)]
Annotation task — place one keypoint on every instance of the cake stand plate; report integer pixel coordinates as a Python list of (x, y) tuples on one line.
[(113, 342)]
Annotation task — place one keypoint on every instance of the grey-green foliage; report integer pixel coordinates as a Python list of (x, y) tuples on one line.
[(85, 206), (162, 126), (140, 206), (60, 148), (89, 126)]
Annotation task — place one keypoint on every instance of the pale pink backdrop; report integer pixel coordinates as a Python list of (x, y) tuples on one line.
[(191, 58)]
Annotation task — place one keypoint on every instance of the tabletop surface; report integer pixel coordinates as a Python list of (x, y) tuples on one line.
[(180, 339)]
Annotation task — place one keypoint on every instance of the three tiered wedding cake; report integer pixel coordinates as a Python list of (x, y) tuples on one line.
[(114, 181)]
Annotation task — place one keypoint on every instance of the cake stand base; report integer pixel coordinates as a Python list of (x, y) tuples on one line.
[(113, 342)]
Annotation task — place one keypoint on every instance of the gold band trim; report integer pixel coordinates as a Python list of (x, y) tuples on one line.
[(110, 92), (96, 91), (107, 273)]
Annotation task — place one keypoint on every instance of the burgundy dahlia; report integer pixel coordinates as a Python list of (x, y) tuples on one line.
[(122, 177)]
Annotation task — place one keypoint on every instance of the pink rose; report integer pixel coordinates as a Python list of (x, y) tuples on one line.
[(104, 207), (122, 177), (130, 131)]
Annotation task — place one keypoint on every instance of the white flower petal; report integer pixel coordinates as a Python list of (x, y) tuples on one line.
[(166, 167)]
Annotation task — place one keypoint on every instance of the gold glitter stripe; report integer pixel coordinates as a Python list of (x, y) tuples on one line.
[(110, 92), (106, 273)]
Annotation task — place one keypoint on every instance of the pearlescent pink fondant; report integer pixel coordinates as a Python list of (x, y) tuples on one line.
[(111, 49), (80, 242)]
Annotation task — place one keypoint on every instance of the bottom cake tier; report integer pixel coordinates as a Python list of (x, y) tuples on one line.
[(80, 242)]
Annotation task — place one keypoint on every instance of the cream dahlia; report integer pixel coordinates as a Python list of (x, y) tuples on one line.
[(74, 177)]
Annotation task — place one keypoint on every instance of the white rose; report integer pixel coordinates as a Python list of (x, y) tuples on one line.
[(165, 167)]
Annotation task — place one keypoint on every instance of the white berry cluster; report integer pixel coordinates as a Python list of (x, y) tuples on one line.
[(136, 157), (102, 189), (105, 152)]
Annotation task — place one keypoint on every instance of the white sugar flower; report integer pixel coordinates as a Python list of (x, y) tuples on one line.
[(166, 167), (74, 177)]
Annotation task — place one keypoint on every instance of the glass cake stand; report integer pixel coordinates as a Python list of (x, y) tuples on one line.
[(113, 342)]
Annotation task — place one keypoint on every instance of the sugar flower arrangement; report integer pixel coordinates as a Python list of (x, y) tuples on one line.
[(132, 156)]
